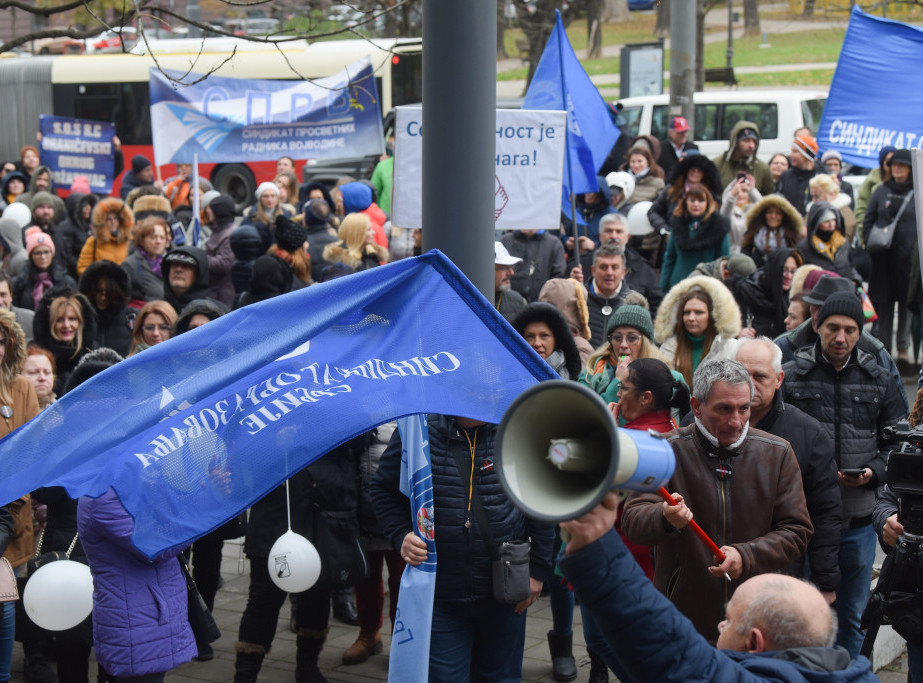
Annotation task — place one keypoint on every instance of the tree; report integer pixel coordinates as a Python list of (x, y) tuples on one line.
[(594, 29), (752, 18), (536, 19), (662, 29)]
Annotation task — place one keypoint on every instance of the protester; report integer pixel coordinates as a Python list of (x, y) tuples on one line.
[(359, 197), (185, 276), (46, 216), (29, 161), (144, 265), (824, 245), (287, 184), (591, 207), (76, 228), (743, 143), (319, 234), (197, 313), (262, 215), (569, 297), (763, 297), (291, 247), (698, 232), (357, 247), (824, 187), (140, 173), (65, 324), (24, 316), (41, 272), (107, 286), (739, 196), (38, 368), (220, 214), (874, 178), (778, 164), (383, 179), (14, 184), (771, 223), (112, 225), (278, 271), (542, 257), (676, 146), (606, 290), (11, 233), (793, 183), (647, 175), (691, 170), (153, 325), (798, 311), (247, 246), (696, 321)]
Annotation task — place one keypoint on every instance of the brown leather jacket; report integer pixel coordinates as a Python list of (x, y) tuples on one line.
[(759, 510)]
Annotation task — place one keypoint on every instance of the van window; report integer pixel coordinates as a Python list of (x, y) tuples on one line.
[(811, 111), (706, 118), (764, 115), (632, 117)]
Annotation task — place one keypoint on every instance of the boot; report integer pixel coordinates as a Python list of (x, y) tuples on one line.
[(367, 644), (248, 661), (599, 671), (344, 607), (36, 669), (308, 647), (563, 664)]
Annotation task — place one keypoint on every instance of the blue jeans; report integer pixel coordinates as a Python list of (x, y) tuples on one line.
[(7, 630), (596, 641), (476, 641), (857, 553)]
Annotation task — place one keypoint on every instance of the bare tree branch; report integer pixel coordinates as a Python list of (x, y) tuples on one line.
[(41, 11)]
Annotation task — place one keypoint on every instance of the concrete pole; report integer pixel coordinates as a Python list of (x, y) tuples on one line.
[(459, 134), (682, 59)]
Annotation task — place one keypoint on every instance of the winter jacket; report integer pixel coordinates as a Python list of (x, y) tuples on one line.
[(763, 303), (463, 571), (24, 283), (654, 642), (853, 405), (101, 245), (804, 335), (736, 214), (814, 452), (60, 210), (12, 236), (319, 236), (220, 262), (639, 274), (130, 182), (271, 277), (247, 246), (793, 185), (646, 188), (542, 257), (758, 241), (114, 323), (812, 248), (74, 229), (686, 247), (146, 285), (891, 268), (201, 289), (869, 185), (509, 304), (668, 159), (660, 214), (729, 167), (760, 511), (601, 309), (140, 622)]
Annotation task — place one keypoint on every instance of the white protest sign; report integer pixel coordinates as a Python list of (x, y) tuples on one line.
[(530, 168)]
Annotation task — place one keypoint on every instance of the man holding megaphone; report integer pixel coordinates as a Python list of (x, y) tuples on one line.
[(741, 485)]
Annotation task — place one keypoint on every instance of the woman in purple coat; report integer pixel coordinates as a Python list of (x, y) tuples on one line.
[(140, 627)]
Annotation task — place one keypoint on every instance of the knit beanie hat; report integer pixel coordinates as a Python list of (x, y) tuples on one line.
[(831, 154), (316, 212), (139, 162), (35, 237), (289, 235), (42, 198), (807, 145), (630, 315), (265, 186), (842, 303), (741, 264), (81, 184), (222, 208)]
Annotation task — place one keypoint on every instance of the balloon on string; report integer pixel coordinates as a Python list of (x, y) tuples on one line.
[(294, 563), (637, 219), (59, 595)]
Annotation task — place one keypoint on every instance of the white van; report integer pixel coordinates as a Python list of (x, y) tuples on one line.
[(778, 113)]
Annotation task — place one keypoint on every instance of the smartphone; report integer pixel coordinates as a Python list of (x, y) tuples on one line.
[(853, 471), (741, 175)]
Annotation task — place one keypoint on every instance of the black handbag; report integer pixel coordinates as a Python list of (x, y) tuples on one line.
[(336, 537), (203, 624), (40, 559)]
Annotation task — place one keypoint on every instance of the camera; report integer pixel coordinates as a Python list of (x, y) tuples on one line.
[(905, 475)]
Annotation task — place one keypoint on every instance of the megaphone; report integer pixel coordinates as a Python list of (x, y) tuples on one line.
[(560, 451)]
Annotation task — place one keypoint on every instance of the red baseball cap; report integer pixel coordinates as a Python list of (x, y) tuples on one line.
[(679, 124)]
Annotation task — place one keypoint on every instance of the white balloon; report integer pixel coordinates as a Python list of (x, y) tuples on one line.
[(59, 595), (19, 212), (294, 563), (637, 219)]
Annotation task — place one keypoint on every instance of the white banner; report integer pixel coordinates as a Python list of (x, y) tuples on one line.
[(530, 167)]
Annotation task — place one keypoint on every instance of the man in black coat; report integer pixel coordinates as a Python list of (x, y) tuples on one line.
[(814, 452), (793, 183), (677, 144)]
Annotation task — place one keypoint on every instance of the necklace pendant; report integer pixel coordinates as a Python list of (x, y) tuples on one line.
[(6, 411), (607, 310)]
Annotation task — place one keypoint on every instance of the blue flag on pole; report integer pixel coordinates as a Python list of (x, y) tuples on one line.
[(876, 94), (212, 420), (561, 83), (409, 659)]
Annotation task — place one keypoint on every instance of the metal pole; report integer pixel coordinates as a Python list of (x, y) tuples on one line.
[(682, 59), (459, 141)]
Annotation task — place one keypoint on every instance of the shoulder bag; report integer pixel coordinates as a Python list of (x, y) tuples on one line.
[(881, 236)]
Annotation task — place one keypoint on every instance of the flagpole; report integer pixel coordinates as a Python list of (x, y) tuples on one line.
[(570, 175), (194, 190)]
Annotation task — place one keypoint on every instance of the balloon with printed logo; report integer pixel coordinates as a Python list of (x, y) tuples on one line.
[(294, 563)]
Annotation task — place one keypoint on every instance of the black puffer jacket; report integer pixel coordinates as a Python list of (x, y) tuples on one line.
[(853, 405), (814, 452), (330, 483), (661, 212), (761, 295), (463, 570), (793, 185)]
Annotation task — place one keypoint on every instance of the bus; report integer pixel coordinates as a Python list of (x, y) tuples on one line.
[(114, 88)]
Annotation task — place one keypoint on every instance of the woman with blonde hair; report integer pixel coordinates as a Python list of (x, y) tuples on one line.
[(112, 224), (356, 248), (288, 192), (153, 325), (65, 324), (697, 319)]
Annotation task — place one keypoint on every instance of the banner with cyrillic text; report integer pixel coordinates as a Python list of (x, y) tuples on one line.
[(877, 90), (192, 431), (230, 119), (77, 147), (530, 163)]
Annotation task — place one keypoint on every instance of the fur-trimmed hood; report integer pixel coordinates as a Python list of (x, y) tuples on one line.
[(126, 220), (790, 215), (725, 311), (540, 311), (16, 349), (100, 269), (711, 176)]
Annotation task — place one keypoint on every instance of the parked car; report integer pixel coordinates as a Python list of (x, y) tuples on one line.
[(114, 40), (778, 113)]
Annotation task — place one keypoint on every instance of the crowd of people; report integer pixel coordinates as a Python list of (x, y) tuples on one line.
[(754, 325)]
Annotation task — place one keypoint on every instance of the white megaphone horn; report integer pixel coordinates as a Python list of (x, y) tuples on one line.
[(560, 452)]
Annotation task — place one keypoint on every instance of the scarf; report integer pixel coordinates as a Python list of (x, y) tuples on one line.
[(766, 239), (556, 361), (640, 174), (42, 282), (830, 246), (714, 442), (155, 262)]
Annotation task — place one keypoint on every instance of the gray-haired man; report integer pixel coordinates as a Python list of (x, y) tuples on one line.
[(742, 486)]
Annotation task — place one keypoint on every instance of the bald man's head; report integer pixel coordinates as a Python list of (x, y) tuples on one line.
[(774, 612)]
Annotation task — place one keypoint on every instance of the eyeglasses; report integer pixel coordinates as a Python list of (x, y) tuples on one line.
[(617, 337), (151, 328), (789, 271)]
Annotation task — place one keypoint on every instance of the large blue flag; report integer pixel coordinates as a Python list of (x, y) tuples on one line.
[(561, 83), (193, 430), (877, 90), (409, 659)]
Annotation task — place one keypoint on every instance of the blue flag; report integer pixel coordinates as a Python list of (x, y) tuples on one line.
[(877, 93), (561, 83), (196, 429), (409, 659)]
